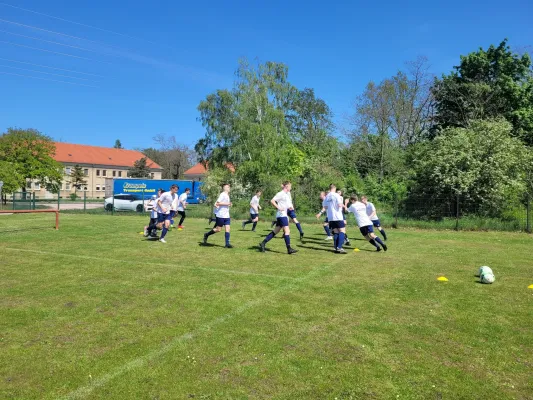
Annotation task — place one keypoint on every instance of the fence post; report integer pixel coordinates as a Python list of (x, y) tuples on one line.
[(13, 200), (113, 204), (58, 198), (528, 215), (33, 200), (457, 212), (395, 212), (84, 201)]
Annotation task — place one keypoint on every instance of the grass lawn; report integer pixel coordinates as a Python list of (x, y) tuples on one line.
[(95, 311)]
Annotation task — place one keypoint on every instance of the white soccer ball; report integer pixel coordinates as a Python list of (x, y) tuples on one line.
[(487, 278), (485, 270)]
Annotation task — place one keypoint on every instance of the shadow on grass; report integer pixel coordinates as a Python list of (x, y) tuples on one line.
[(202, 244), (267, 250)]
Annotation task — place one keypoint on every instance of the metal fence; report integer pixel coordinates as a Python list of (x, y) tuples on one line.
[(31, 201)]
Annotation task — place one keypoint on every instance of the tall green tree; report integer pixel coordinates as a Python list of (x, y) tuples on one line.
[(27, 154), (77, 178), (118, 144), (173, 157), (140, 169), (491, 83)]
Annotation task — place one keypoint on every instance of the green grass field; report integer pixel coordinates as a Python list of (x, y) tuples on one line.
[(95, 311)]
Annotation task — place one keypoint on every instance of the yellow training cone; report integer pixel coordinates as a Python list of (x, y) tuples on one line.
[(442, 279), (141, 233), (356, 249), (530, 287)]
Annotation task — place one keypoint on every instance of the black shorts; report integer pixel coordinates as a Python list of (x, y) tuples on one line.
[(291, 214), (365, 230), (253, 216), (336, 224)]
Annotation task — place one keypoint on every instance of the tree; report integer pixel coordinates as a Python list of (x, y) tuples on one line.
[(140, 169), (118, 144), (482, 163), (487, 84), (173, 157), (77, 178), (27, 154)]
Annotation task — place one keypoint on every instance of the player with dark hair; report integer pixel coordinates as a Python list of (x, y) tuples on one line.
[(322, 211), (371, 212), (365, 225), (151, 229), (163, 206), (254, 211), (334, 206), (282, 202), (182, 205), (222, 206)]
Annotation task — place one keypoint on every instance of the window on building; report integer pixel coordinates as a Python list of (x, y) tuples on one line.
[(98, 188), (68, 170), (152, 175), (28, 185), (67, 186), (114, 173), (86, 172), (97, 172), (85, 188), (119, 174), (37, 186), (104, 172)]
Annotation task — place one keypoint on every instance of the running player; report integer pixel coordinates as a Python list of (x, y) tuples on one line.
[(173, 210), (365, 225), (371, 211), (222, 205), (281, 201), (151, 229), (334, 208), (346, 239), (163, 205), (322, 211), (291, 213), (182, 205), (254, 211)]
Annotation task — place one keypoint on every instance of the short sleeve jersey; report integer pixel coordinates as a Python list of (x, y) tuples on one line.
[(370, 209), (174, 206), (222, 211), (334, 207), (291, 205), (166, 200), (283, 200), (359, 211), (254, 202), (182, 200), (153, 203)]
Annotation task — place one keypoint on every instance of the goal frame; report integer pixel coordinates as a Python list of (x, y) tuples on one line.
[(33, 211)]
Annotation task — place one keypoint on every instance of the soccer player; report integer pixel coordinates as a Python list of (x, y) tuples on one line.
[(151, 229), (334, 206), (163, 206), (322, 211), (182, 205), (173, 210), (365, 225), (346, 239), (254, 211), (371, 211), (281, 201), (291, 213), (222, 205)]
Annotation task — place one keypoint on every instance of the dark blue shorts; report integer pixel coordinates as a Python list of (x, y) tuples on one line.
[(291, 214), (326, 221), (365, 230), (222, 222), (163, 217), (336, 224), (173, 213), (282, 221), (253, 216), (376, 223)]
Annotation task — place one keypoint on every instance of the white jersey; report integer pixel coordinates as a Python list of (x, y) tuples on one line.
[(284, 200), (370, 209), (153, 203), (166, 200), (222, 211), (182, 201), (174, 205), (291, 206), (359, 211), (255, 203), (334, 207)]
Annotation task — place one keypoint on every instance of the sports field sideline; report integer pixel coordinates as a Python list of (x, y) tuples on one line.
[(94, 310)]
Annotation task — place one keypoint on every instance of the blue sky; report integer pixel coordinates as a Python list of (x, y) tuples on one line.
[(136, 69)]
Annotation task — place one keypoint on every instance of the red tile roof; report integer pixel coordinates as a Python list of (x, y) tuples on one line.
[(199, 169), (83, 154)]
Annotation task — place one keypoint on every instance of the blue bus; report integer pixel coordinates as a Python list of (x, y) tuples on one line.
[(143, 189)]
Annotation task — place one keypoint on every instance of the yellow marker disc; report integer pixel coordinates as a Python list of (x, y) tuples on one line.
[(442, 279), (355, 249), (530, 287), (141, 233)]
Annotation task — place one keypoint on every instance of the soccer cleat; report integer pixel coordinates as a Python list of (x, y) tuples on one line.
[(347, 242), (253, 230), (145, 231), (205, 238), (385, 247), (262, 247), (290, 250), (329, 238), (301, 236), (341, 251), (243, 225), (162, 240), (228, 246), (378, 249)]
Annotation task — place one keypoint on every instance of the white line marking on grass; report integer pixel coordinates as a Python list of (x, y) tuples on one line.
[(141, 361), (227, 271)]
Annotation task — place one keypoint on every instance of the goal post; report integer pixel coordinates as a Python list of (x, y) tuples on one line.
[(33, 212)]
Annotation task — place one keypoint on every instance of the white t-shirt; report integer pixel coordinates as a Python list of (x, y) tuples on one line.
[(153, 203), (359, 211), (166, 200), (284, 200), (174, 206), (291, 206), (254, 202), (370, 209), (334, 207), (182, 201), (222, 211)]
